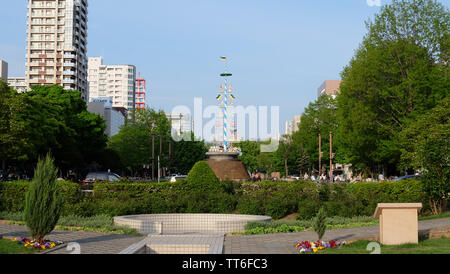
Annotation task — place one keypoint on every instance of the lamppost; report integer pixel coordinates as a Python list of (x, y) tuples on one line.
[(320, 155), (331, 156), (159, 155), (153, 156)]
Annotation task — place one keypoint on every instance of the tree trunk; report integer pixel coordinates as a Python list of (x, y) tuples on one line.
[(436, 206), (286, 167)]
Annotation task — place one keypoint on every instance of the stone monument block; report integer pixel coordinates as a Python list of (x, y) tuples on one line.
[(398, 223)]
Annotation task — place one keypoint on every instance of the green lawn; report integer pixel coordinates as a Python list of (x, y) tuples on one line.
[(440, 216), (10, 247), (431, 246)]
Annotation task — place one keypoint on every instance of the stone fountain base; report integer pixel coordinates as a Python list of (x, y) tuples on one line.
[(227, 167)]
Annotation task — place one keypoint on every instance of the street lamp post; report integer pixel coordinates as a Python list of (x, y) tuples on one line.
[(331, 156), (320, 154), (153, 156)]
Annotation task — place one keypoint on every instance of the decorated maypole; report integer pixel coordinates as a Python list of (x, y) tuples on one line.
[(223, 98)]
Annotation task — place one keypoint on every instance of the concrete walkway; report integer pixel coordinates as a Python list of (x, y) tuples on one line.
[(102, 243), (90, 242), (284, 243)]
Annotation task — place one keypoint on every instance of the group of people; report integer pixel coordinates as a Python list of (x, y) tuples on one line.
[(256, 177), (341, 178), (325, 177)]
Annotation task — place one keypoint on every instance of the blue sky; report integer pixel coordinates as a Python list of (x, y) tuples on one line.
[(279, 51)]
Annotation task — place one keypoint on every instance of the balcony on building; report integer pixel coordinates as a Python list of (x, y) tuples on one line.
[(68, 81), (69, 64), (69, 56), (68, 72)]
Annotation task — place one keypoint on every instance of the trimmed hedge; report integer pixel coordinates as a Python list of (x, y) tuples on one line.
[(12, 195), (276, 199)]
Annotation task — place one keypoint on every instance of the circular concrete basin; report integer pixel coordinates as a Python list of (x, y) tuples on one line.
[(188, 223)]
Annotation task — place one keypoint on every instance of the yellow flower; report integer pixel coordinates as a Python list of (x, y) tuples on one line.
[(315, 250), (15, 239)]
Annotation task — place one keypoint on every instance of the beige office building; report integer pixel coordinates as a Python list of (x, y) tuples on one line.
[(329, 87), (18, 83), (116, 81), (57, 44)]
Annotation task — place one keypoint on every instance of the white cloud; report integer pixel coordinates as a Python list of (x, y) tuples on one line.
[(373, 3)]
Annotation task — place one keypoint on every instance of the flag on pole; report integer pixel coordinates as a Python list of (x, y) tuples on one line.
[(223, 58), (232, 96), (219, 97)]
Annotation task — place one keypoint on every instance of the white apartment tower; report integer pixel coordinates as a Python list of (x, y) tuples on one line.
[(57, 41), (116, 81)]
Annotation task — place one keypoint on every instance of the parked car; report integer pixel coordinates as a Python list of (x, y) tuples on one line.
[(407, 177), (101, 177), (177, 178), (295, 177)]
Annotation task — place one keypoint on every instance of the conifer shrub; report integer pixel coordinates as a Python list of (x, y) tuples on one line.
[(43, 202), (319, 223)]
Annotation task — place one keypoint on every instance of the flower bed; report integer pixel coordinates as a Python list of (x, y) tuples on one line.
[(47, 244), (307, 247)]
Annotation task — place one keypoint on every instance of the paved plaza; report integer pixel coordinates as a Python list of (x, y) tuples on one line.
[(102, 243)]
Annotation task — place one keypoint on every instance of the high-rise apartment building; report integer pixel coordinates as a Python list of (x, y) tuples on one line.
[(3, 70), (329, 87), (57, 44), (116, 81)]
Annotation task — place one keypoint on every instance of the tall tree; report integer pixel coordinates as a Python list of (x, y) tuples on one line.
[(77, 135), (250, 151), (425, 145), (318, 118), (134, 141), (186, 154), (396, 75), (286, 152)]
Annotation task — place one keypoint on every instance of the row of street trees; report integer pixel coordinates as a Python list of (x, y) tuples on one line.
[(49, 119), (392, 114), (147, 136)]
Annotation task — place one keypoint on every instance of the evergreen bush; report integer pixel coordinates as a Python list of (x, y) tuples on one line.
[(201, 177), (319, 223), (43, 202)]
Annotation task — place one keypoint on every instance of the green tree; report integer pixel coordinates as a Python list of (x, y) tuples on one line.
[(13, 143), (318, 118), (424, 144), (397, 74), (43, 202), (250, 151), (266, 162), (133, 143), (425, 23), (73, 134), (186, 154), (286, 152)]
